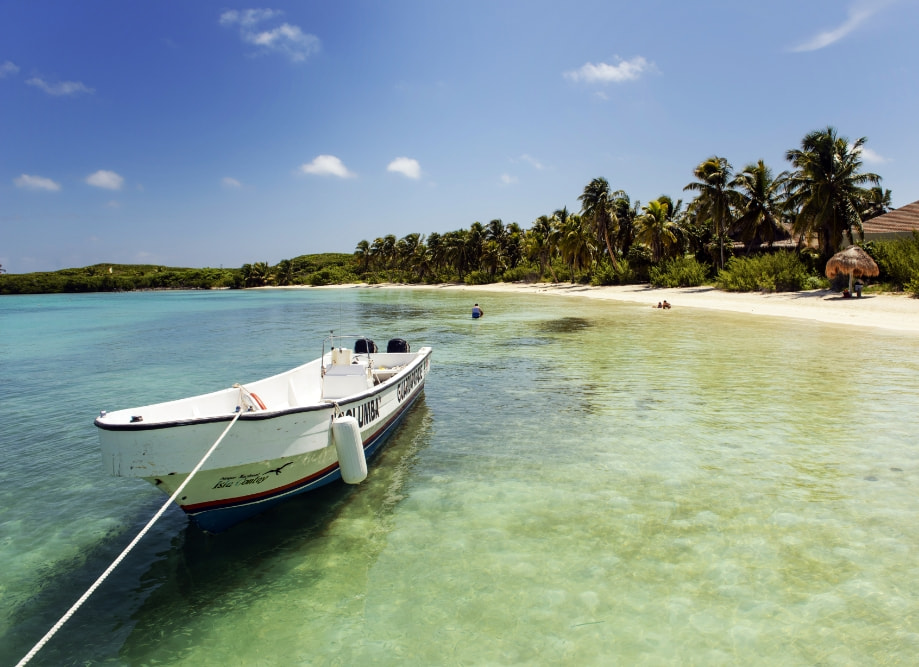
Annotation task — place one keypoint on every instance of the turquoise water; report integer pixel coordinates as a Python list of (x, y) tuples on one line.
[(584, 482)]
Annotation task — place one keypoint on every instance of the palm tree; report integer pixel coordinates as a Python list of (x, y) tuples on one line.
[(827, 188), (436, 252), (513, 245), (456, 249), (362, 254), (761, 204), (655, 227), (626, 213), (576, 244), (715, 197), (597, 207), (877, 203), (285, 272), (540, 245)]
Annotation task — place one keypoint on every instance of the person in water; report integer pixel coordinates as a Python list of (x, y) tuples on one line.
[(477, 312)]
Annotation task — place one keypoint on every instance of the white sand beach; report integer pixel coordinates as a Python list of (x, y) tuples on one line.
[(899, 312)]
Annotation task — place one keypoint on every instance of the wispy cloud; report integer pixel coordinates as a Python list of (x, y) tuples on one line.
[(405, 166), (28, 182), (60, 88), (530, 160), (231, 183), (620, 72), (871, 156), (326, 165), (286, 39), (858, 13), (107, 180), (507, 179), (8, 68)]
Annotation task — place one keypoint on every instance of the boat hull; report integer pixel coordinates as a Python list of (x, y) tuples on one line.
[(265, 457)]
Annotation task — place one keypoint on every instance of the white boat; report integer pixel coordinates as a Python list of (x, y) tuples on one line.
[(293, 433)]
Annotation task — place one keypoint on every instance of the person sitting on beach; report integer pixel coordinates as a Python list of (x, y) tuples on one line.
[(666, 304), (477, 312), (659, 305)]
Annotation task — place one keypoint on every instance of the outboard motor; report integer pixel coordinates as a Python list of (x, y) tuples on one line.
[(364, 346), (398, 345)]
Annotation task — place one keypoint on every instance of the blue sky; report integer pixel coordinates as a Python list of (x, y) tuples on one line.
[(203, 134)]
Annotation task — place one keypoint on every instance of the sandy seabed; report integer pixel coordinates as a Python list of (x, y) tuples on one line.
[(898, 312)]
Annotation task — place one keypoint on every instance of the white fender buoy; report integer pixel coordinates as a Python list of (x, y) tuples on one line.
[(346, 434)]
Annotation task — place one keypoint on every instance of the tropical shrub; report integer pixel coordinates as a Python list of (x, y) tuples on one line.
[(898, 261), (679, 272), (774, 272), (521, 273), (479, 278)]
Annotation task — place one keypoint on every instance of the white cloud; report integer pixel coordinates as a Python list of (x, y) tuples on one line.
[(8, 68), (871, 156), (28, 182), (61, 88), (113, 204), (532, 161), (285, 39), (507, 179), (230, 182), (108, 180), (326, 165), (622, 71), (858, 13), (405, 166)]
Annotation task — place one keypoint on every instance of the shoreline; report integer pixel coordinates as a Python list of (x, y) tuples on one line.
[(892, 312)]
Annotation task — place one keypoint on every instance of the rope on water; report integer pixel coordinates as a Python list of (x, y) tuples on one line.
[(70, 612)]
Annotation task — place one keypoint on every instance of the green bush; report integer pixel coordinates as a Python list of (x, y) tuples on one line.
[(898, 261), (913, 287), (478, 278), (607, 274), (679, 272), (528, 274), (774, 272)]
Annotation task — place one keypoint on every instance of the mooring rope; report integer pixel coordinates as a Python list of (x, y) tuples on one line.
[(70, 612)]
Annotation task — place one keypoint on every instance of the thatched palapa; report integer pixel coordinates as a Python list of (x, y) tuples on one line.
[(853, 261)]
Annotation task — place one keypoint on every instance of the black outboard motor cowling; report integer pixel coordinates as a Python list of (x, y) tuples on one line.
[(398, 345), (364, 346)]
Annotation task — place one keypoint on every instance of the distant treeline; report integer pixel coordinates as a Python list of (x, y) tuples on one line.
[(321, 269)]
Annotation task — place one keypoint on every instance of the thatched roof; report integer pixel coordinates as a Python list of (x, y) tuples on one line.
[(901, 220), (853, 261)]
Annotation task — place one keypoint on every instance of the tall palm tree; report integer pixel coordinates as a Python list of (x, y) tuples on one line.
[(513, 245), (877, 203), (362, 254), (540, 245), (437, 252), (284, 272), (577, 244), (715, 196), (597, 207), (626, 213), (656, 228), (827, 188), (760, 204)]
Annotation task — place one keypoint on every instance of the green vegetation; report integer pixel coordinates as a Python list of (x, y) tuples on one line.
[(323, 269), (729, 232), (680, 272), (778, 272)]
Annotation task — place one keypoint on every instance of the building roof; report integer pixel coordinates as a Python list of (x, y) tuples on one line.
[(901, 220)]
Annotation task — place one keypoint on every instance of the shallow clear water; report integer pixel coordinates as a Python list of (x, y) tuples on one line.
[(583, 482)]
